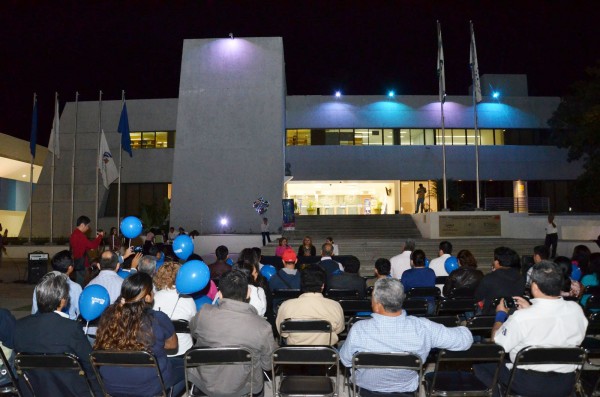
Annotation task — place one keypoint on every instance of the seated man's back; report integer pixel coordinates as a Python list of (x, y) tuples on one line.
[(349, 279), (232, 322), (312, 305)]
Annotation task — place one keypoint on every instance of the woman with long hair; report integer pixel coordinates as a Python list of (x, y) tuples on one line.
[(248, 263), (170, 302), (571, 288), (283, 245), (592, 279), (131, 324), (307, 248), (581, 255), (466, 277)]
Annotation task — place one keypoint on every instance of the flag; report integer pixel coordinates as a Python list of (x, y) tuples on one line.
[(34, 127), (54, 143), (106, 163), (440, 65), (474, 66), (124, 130)]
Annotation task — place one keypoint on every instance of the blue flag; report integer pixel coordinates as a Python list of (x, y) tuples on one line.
[(124, 130), (34, 128)]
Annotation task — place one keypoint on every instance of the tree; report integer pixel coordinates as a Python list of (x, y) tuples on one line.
[(576, 125)]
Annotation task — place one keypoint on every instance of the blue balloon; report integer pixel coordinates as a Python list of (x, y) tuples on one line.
[(131, 227), (426, 262), (201, 301), (268, 271), (94, 299), (160, 261), (229, 262), (451, 264), (183, 246), (576, 273), (192, 277)]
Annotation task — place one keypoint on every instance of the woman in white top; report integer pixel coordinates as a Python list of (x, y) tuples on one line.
[(168, 301), (336, 249)]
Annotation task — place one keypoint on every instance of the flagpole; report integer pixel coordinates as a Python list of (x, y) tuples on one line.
[(31, 181), (475, 118), (442, 90), (120, 168), (98, 156), (53, 170), (73, 159)]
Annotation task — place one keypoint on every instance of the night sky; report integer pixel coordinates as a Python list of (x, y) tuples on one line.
[(360, 47)]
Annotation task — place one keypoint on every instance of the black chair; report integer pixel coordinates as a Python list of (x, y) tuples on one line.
[(414, 306), (351, 321), (6, 373), (442, 382), (204, 356), (447, 321), (125, 359), (181, 326), (406, 361), (290, 326), (461, 292), (534, 355), (592, 305), (423, 292), (337, 294), (456, 306), (305, 385), (284, 294), (353, 306), (481, 325), (441, 280), (29, 364)]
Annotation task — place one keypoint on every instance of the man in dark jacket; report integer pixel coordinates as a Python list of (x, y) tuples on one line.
[(504, 280), (349, 278), (288, 277)]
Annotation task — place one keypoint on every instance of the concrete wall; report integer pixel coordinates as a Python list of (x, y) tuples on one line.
[(230, 128), (149, 165), (425, 162)]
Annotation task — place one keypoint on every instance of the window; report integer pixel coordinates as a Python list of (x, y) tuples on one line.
[(417, 137), (152, 139), (404, 136), (388, 136), (458, 137)]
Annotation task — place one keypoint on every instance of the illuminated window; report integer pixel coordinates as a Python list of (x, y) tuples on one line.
[(417, 137), (152, 139), (499, 137), (388, 136), (487, 137), (404, 136), (458, 137), (347, 137)]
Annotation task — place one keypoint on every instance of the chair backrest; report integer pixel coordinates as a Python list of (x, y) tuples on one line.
[(290, 326), (353, 320), (447, 321), (181, 326), (335, 293), (353, 306), (592, 304), (405, 361), (27, 362), (536, 355), (456, 306), (441, 280), (423, 292), (113, 358), (234, 355), (283, 294), (593, 327), (7, 370), (461, 292), (415, 306)]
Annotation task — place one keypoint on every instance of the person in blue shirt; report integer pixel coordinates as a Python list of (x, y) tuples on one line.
[(418, 275), (391, 330)]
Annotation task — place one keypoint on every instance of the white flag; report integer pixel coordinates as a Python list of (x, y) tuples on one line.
[(474, 67), (106, 163), (440, 65), (54, 143)]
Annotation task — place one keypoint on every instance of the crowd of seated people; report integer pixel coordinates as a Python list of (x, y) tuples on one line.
[(249, 311)]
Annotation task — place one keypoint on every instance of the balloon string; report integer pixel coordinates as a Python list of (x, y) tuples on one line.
[(87, 325)]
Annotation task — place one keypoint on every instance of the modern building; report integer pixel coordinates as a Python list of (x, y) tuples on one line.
[(233, 135)]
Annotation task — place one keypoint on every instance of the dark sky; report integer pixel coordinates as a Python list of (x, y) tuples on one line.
[(362, 47)]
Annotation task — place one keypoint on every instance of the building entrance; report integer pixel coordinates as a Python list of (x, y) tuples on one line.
[(359, 197)]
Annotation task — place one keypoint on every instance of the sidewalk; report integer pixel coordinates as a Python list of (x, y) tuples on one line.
[(15, 294)]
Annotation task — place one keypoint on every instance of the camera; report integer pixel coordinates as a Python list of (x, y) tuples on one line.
[(509, 302), (139, 248)]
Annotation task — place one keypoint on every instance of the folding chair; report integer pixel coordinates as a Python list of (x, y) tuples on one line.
[(462, 383), (352, 307), (30, 365), (406, 361), (284, 294), (181, 326), (423, 292), (305, 385), (125, 359), (337, 294), (291, 326), (205, 356), (6, 373), (592, 305), (447, 321), (481, 326), (456, 306), (461, 292), (534, 355), (415, 306)]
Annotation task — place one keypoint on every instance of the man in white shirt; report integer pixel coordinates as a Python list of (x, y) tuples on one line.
[(547, 321), (401, 262), (438, 265)]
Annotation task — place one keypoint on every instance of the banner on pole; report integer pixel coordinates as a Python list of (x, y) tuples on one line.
[(289, 217)]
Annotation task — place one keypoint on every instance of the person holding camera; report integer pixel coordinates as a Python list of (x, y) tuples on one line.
[(549, 321), (80, 244)]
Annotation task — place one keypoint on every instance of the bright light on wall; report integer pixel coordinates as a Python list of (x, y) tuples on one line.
[(338, 94)]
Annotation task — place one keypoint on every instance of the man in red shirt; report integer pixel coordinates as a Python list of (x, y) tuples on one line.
[(80, 244)]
